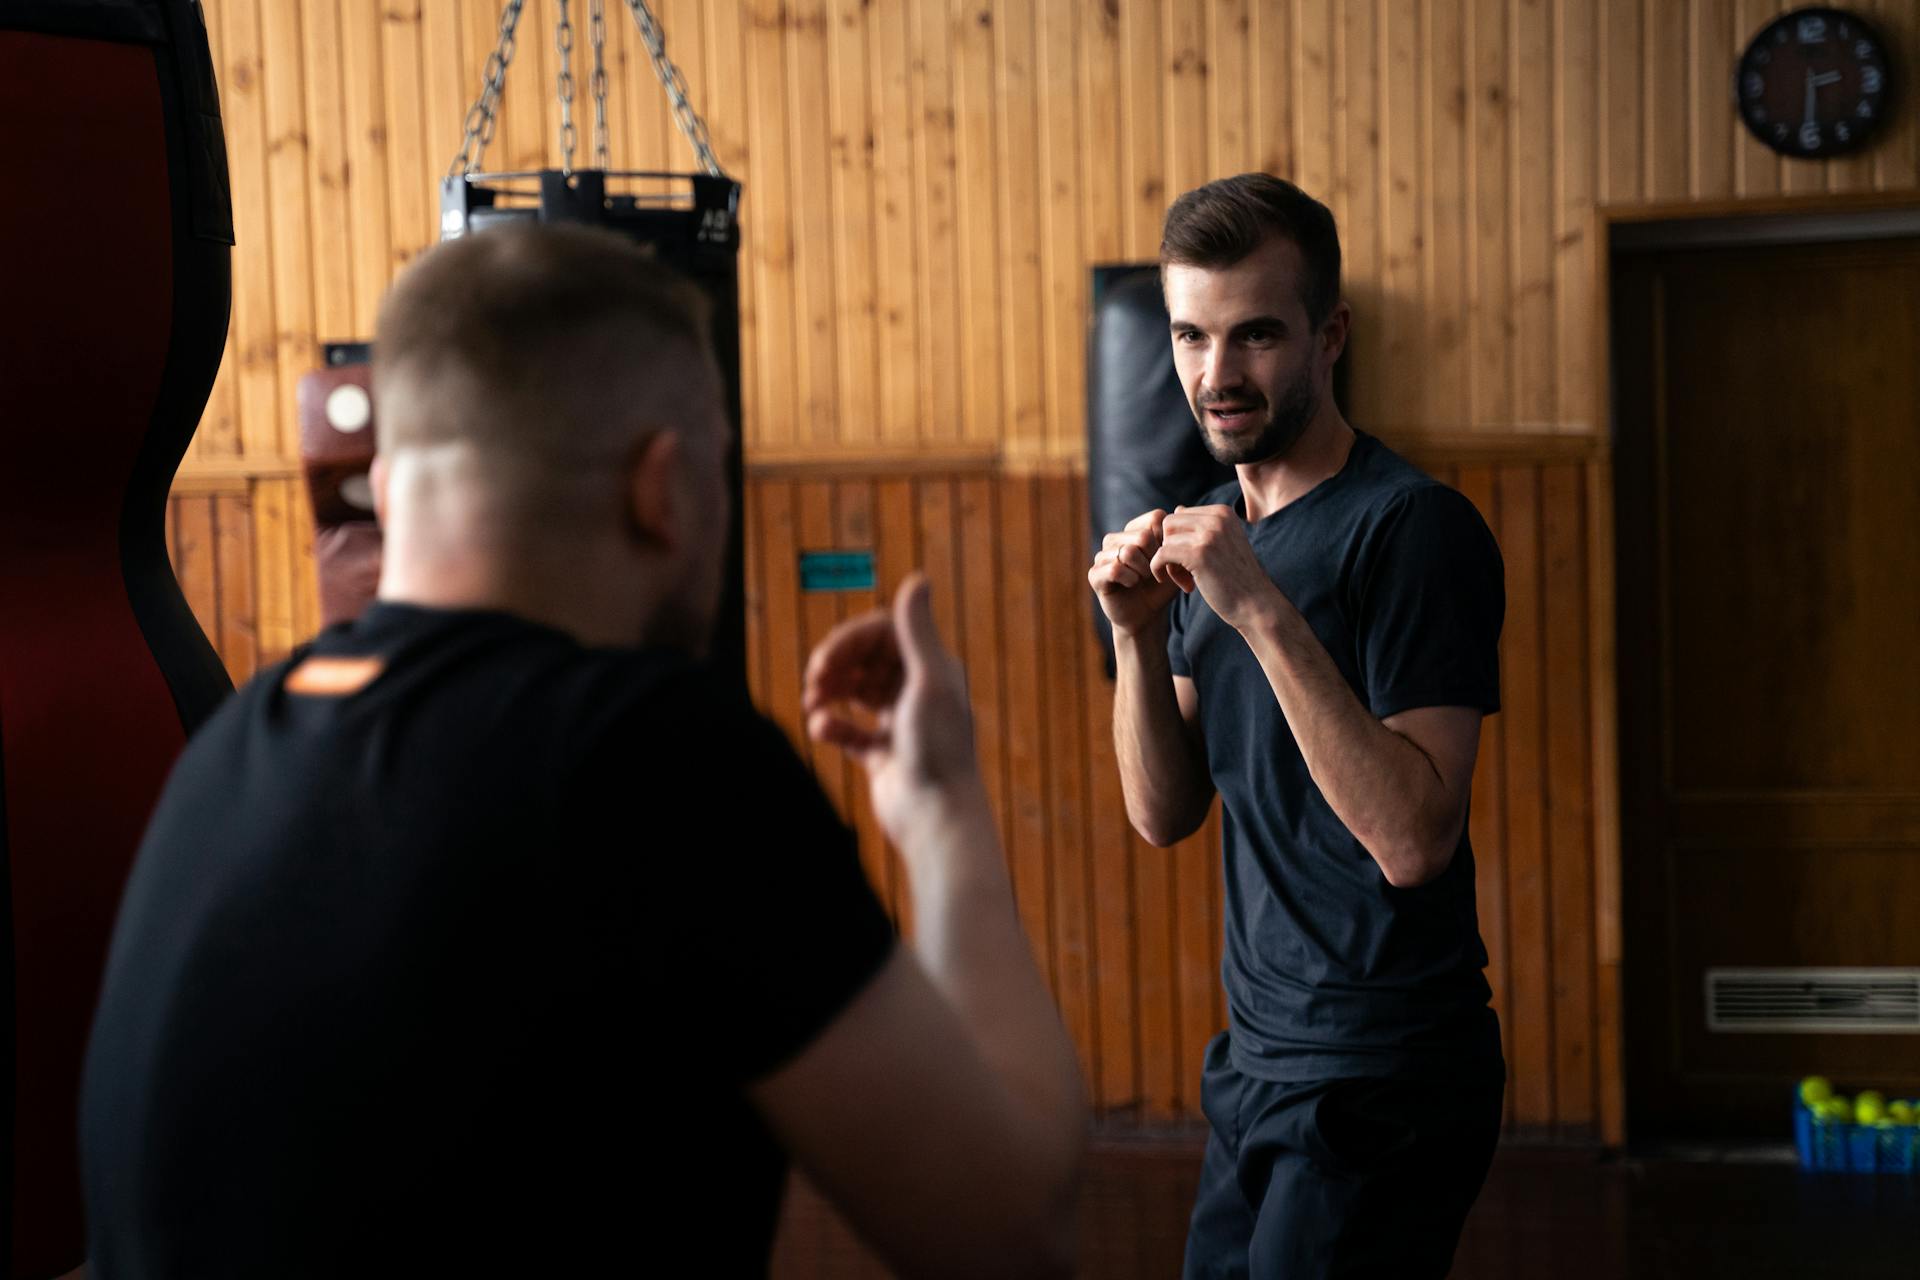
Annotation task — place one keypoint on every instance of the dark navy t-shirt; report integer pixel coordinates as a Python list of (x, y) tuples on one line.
[(1330, 971), (465, 973)]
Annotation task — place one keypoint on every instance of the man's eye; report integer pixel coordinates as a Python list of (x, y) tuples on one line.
[(1259, 337)]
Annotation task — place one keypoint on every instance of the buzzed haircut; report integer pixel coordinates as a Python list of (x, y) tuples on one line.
[(540, 340), (1217, 225)]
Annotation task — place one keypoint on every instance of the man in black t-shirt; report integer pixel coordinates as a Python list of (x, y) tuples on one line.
[(1317, 644), (494, 933)]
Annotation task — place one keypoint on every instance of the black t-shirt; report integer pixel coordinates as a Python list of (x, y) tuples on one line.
[(464, 973), (1330, 971)]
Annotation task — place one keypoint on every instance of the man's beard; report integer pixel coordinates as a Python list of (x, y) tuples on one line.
[(1285, 422)]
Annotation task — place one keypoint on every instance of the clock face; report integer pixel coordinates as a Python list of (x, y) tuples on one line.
[(1815, 82)]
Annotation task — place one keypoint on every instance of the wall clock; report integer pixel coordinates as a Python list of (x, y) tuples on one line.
[(1814, 82)]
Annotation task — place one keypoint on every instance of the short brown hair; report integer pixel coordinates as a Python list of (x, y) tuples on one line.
[(1223, 222), (540, 341)]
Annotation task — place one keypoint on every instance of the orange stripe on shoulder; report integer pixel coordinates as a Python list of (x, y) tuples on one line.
[(334, 677)]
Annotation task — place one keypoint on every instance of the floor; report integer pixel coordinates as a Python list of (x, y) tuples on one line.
[(1544, 1213)]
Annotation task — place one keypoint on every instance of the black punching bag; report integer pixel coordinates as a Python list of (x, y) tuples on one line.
[(1143, 446), (113, 316)]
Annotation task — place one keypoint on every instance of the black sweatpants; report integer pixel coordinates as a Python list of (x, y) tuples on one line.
[(1338, 1179)]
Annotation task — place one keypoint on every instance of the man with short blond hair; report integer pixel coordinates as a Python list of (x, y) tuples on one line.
[(496, 933)]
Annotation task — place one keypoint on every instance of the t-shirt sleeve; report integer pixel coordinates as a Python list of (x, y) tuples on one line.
[(1431, 607), (1177, 635), (774, 928)]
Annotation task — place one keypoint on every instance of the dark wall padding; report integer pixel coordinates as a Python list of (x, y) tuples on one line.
[(1143, 448), (117, 224)]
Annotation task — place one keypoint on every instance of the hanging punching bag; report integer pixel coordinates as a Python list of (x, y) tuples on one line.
[(117, 224), (1143, 448)]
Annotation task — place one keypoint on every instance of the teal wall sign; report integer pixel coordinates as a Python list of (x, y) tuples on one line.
[(836, 570)]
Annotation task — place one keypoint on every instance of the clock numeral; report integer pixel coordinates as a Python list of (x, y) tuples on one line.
[(1841, 133), (1779, 35), (1762, 57), (1864, 111), (1780, 132), (1753, 84), (1870, 80), (1757, 114), (1810, 136), (1863, 50), (1812, 30)]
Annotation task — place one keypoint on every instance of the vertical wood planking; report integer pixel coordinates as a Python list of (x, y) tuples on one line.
[(1029, 708), (972, 33), (1568, 771), (369, 232), (1447, 216), (1529, 901), (257, 380), (1312, 74), (852, 144), (937, 172), (1530, 116), (1404, 187), (1896, 158), (780, 585), (327, 170), (982, 587), (1489, 319), (1577, 105), (1144, 193), (1665, 138), (1270, 88), (1022, 225), (767, 230), (895, 210), (1756, 167), (412, 177), (1059, 518), (1057, 415), (896, 538), (816, 385), (1712, 47), (1621, 62), (233, 575), (219, 432), (1487, 807), (1230, 78)]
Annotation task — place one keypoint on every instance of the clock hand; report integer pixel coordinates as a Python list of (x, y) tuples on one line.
[(1807, 117)]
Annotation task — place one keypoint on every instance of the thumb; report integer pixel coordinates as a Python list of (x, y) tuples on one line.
[(918, 637)]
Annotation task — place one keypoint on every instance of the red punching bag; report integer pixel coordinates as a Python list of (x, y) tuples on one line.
[(113, 314)]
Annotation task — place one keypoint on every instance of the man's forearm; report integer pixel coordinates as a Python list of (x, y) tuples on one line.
[(1162, 776), (967, 934), (1379, 784)]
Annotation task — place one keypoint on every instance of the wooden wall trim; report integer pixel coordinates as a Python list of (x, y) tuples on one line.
[(1430, 450), (231, 475)]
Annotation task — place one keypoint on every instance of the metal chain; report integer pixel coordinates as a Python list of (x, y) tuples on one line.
[(481, 117), (597, 36), (563, 40), (691, 125)]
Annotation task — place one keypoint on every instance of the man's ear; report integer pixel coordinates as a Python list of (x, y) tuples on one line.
[(377, 481), (653, 489), (1333, 334)]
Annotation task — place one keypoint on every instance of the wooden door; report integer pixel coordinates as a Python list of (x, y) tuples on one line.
[(1768, 523)]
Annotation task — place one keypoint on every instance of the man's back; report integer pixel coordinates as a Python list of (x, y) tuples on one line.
[(424, 966)]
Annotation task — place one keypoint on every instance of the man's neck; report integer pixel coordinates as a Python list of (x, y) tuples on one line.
[(558, 595), (1314, 458)]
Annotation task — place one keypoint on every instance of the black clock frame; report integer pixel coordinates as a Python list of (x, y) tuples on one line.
[(1758, 53)]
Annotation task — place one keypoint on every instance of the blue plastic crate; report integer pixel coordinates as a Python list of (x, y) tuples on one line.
[(1844, 1147)]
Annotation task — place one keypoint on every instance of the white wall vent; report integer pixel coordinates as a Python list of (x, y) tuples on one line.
[(1814, 1000)]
